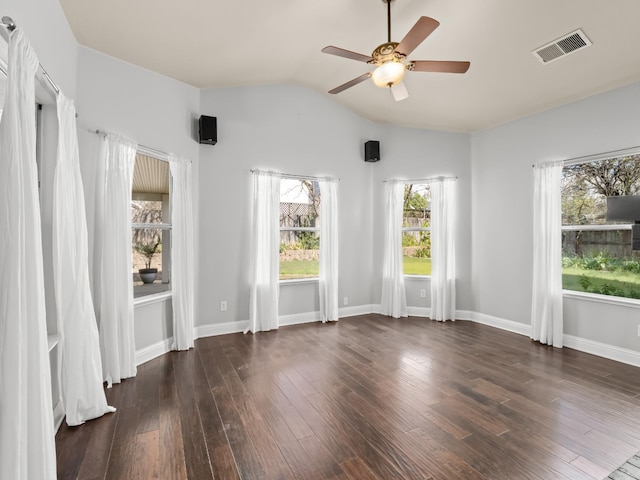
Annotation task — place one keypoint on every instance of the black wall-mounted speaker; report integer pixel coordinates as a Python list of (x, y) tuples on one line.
[(372, 151), (208, 132)]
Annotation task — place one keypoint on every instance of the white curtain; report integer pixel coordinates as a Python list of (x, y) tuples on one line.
[(443, 252), (116, 287), (27, 448), (394, 300), (546, 307), (328, 278), (265, 261), (182, 254), (81, 384)]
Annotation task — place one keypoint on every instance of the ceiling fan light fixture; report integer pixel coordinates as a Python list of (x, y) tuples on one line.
[(388, 74)]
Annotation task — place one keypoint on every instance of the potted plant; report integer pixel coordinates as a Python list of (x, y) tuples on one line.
[(148, 251)]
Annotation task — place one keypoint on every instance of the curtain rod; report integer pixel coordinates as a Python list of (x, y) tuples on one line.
[(623, 152), (9, 25), (422, 180), (299, 177), (151, 152)]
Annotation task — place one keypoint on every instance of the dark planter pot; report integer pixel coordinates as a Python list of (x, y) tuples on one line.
[(148, 275)]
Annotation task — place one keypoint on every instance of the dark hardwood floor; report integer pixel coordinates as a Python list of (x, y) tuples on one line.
[(367, 398)]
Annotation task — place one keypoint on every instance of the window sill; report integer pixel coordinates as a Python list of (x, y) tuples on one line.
[(417, 277), (598, 298), (149, 299), (296, 281)]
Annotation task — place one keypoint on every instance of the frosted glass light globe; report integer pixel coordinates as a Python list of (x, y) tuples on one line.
[(389, 73)]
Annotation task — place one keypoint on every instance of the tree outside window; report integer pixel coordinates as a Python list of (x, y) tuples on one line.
[(299, 228), (151, 222), (416, 230), (597, 253)]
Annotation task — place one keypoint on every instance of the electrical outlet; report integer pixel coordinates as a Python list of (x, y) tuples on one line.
[(345, 301), (423, 293), (223, 306)]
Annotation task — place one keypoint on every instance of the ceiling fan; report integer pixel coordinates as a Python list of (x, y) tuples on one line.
[(391, 62)]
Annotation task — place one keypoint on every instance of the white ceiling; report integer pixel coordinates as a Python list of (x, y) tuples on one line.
[(215, 43)]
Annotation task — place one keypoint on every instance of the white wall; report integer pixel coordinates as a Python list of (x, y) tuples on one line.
[(153, 110), (48, 31), (502, 192), (292, 130), (408, 153), (296, 130)]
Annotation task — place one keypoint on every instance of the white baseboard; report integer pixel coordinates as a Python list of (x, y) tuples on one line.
[(622, 355), (298, 318), (501, 323), (153, 351), (58, 415), (357, 310), (419, 312), (214, 329)]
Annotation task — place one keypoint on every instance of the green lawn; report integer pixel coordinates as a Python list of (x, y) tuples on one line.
[(416, 266), (293, 269), (625, 284), (309, 268)]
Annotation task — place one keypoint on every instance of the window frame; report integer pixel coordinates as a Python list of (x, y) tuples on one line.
[(163, 293), (593, 296), (281, 229), (404, 229)]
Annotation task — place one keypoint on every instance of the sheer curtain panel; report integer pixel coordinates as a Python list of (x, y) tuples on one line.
[(82, 391), (546, 302), (394, 300), (328, 281), (265, 261), (443, 252), (116, 286), (182, 264), (27, 448)]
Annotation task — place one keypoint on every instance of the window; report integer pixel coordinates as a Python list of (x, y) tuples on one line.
[(299, 228), (416, 234), (151, 222), (600, 219)]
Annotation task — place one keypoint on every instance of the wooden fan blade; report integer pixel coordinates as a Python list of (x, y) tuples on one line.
[(341, 52), (399, 91), (440, 66), (350, 83), (421, 30)]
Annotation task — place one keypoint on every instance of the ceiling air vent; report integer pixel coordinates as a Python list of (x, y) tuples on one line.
[(562, 46)]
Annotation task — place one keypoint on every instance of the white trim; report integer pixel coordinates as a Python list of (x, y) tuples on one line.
[(597, 228), (358, 310), (153, 351), (298, 318), (153, 298), (619, 354), (417, 277), (419, 312), (211, 330), (298, 281), (501, 323), (598, 298), (58, 415)]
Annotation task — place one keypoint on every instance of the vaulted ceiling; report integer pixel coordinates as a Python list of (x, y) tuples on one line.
[(215, 43)]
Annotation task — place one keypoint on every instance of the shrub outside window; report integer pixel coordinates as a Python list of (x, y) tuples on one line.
[(299, 228), (416, 230), (597, 252), (151, 226)]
